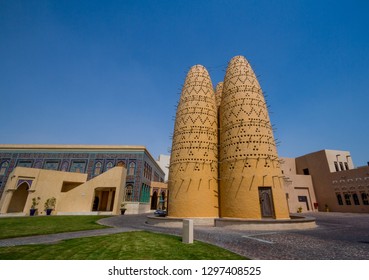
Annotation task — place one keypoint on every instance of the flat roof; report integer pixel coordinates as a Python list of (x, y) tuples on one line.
[(77, 148), (68, 147)]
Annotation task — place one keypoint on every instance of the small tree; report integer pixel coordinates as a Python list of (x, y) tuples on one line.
[(35, 202), (50, 203)]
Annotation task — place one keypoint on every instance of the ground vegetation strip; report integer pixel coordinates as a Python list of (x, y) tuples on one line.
[(137, 245), (38, 225)]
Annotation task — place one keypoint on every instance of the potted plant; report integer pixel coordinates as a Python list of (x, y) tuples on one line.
[(326, 208), (123, 208), (35, 202), (299, 210), (49, 205)]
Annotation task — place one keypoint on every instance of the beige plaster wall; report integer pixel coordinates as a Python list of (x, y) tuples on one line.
[(355, 181), (80, 199), (328, 182), (296, 185), (48, 183)]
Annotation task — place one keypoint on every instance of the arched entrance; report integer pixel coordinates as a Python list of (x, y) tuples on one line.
[(19, 199), (162, 200), (154, 201)]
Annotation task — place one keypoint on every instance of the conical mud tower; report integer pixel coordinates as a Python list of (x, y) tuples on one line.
[(218, 93), (250, 175), (193, 172)]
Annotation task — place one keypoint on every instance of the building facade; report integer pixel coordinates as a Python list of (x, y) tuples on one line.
[(163, 161), (338, 185), (93, 161), (299, 188), (29, 189)]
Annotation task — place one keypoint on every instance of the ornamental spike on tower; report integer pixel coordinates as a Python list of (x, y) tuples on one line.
[(250, 184), (193, 171)]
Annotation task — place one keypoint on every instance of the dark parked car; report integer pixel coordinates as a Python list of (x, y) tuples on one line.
[(160, 213)]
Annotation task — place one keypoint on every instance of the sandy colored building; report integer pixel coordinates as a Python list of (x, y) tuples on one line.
[(299, 188), (73, 192), (78, 167), (338, 186)]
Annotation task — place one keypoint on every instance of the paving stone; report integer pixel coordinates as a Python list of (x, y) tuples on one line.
[(339, 236)]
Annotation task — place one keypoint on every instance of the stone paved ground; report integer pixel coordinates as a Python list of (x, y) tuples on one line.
[(338, 236)]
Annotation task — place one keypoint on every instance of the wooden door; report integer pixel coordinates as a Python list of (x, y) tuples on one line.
[(266, 202)]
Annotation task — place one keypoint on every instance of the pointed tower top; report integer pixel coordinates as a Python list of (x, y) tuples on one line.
[(218, 93), (197, 78), (239, 71)]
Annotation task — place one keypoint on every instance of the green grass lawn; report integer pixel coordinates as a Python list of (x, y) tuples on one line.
[(26, 226), (139, 245)]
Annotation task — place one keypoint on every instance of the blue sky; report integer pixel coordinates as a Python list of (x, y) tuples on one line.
[(110, 72)]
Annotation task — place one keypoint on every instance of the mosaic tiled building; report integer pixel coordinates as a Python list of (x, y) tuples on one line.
[(224, 156), (142, 169)]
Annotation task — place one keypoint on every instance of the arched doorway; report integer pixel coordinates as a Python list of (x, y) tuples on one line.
[(154, 201), (162, 200), (19, 199)]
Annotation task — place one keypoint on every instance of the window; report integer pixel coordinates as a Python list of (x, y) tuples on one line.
[(156, 177), (336, 166), (339, 199), (4, 166), (78, 166), (346, 165), (306, 171), (356, 199), (24, 163), (364, 198), (147, 171), (129, 193), (347, 199), (341, 165), (145, 193), (97, 169), (131, 170), (109, 166), (51, 165)]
